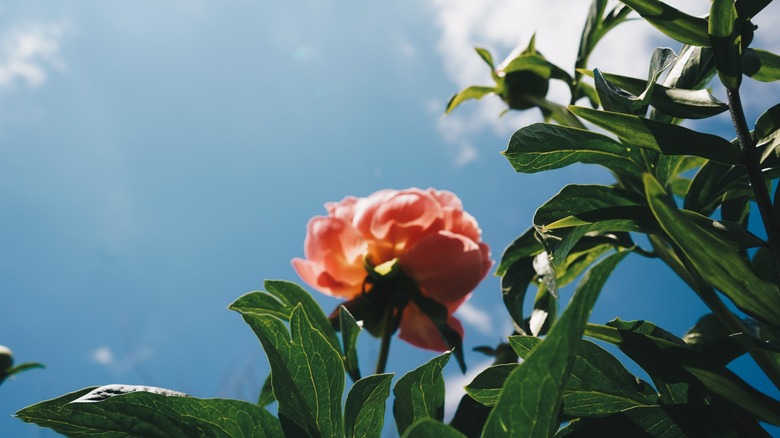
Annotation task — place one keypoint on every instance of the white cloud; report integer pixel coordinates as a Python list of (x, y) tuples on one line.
[(103, 356), (475, 317), (27, 52)]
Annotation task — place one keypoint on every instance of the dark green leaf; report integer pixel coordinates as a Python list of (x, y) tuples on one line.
[(711, 184), (675, 24), (541, 146), (542, 377), (717, 262), (692, 70), (614, 99), (676, 102), (307, 373), (152, 415), (486, 386), (472, 92), (22, 367), (280, 300), (662, 137), (726, 45), (420, 394), (470, 417), (349, 334), (266, 396), (767, 134), (681, 373), (364, 411), (761, 65), (428, 428), (599, 385), (585, 204), (656, 422), (514, 285), (524, 246)]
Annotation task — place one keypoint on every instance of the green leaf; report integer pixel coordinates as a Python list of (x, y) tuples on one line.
[(524, 246), (364, 411), (542, 377), (600, 385), (307, 373), (428, 428), (586, 204), (486, 56), (266, 396), (149, 414), (539, 147), (668, 421), (676, 102), (710, 185), (280, 300), (717, 262), (528, 62), (675, 366), (767, 134), (692, 70), (420, 394), (486, 386), (662, 137), (726, 45), (514, 285), (673, 23), (349, 334), (472, 92), (761, 65)]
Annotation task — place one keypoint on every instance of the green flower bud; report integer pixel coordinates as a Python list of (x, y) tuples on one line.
[(523, 88)]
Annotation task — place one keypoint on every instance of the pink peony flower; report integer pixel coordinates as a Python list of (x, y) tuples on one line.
[(426, 232)]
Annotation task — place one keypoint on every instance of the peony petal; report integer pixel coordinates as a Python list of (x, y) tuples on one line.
[(406, 216), (417, 329), (344, 209), (332, 240), (446, 266), (315, 276)]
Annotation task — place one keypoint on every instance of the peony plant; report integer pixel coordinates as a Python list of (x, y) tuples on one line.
[(405, 260)]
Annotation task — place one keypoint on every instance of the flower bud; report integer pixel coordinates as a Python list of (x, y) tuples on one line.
[(6, 359)]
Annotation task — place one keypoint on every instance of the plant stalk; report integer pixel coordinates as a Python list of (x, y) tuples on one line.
[(752, 165), (387, 335)]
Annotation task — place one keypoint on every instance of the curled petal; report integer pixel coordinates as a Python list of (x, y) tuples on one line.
[(446, 266), (317, 277), (417, 329), (334, 257), (345, 209), (405, 217)]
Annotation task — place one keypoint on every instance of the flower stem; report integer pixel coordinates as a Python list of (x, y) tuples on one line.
[(753, 167), (387, 335)]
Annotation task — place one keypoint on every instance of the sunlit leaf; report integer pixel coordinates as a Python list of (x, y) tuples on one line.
[(725, 41), (148, 414), (419, 394), (675, 24), (761, 65), (585, 204), (472, 92), (662, 137), (307, 373), (541, 146), (364, 410), (542, 377), (280, 300)]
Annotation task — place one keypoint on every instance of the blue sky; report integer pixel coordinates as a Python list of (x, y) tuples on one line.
[(159, 159)]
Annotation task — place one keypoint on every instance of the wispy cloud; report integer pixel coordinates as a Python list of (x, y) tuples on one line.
[(475, 317), (105, 356), (28, 52)]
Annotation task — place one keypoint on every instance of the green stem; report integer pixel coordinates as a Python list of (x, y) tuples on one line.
[(753, 167), (387, 335)]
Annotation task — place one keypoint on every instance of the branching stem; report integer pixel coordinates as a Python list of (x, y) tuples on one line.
[(753, 167)]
